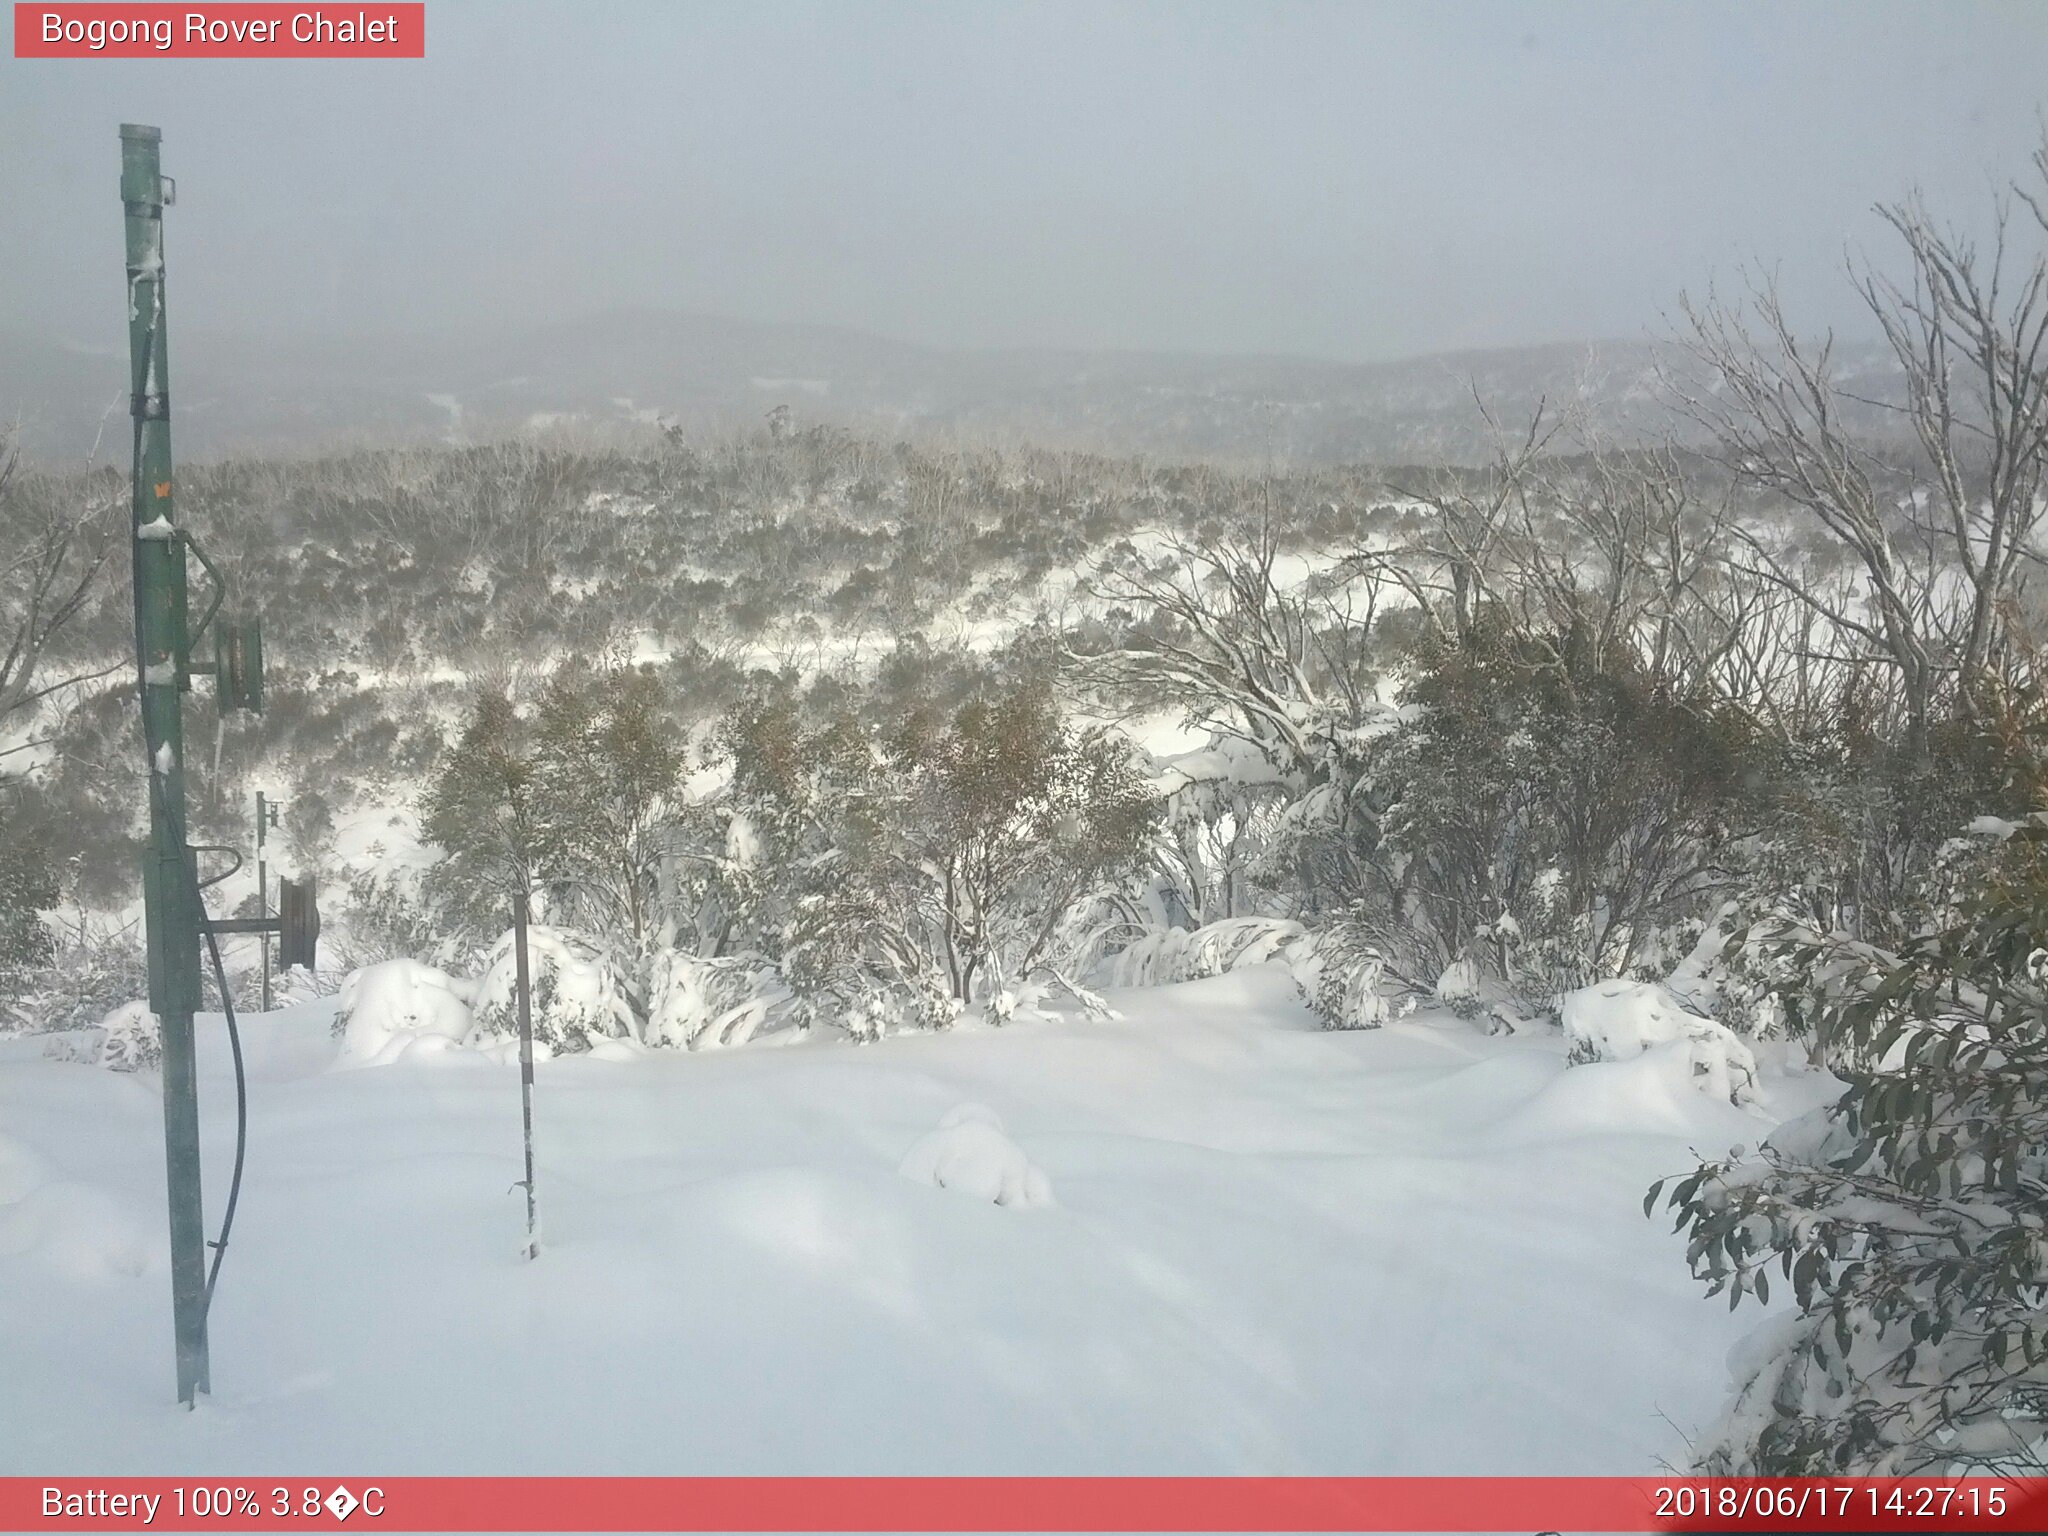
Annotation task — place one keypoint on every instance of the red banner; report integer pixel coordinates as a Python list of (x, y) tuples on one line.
[(1515, 1504), (372, 30)]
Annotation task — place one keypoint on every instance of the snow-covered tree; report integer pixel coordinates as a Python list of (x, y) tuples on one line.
[(606, 766), (1019, 820), (900, 875), (482, 808), (28, 889), (574, 797)]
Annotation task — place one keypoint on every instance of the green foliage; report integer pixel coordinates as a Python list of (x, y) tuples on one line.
[(901, 873), (573, 798), (91, 969), (1578, 797), (28, 889), (481, 808), (1909, 1222), (1020, 817), (606, 766)]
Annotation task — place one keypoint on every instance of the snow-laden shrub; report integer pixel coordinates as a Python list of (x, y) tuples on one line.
[(577, 994), (386, 1010), (869, 1007), (1188, 954), (1771, 960), (28, 889), (902, 875), (1620, 1020), (1910, 1218), (96, 969), (971, 1155), (296, 985), (1029, 999), (1529, 774), (694, 1002), (1342, 976), (1458, 988), (390, 914), (130, 1039)]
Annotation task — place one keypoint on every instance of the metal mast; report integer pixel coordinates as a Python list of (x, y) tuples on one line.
[(266, 817), (171, 903)]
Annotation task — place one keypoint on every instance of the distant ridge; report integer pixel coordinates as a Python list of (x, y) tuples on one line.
[(614, 372)]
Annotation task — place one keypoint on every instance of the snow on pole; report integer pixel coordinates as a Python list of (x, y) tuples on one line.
[(525, 1062)]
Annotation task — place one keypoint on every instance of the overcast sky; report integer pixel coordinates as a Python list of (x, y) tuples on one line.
[(1351, 180)]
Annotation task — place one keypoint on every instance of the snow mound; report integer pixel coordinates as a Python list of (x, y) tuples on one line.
[(399, 1008), (22, 1168), (1621, 1020), (970, 1155), (77, 1231)]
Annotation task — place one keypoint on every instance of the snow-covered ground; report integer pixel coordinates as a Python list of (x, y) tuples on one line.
[(1261, 1248)]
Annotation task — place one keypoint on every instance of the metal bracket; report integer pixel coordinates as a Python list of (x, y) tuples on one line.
[(243, 925), (233, 853), (220, 589)]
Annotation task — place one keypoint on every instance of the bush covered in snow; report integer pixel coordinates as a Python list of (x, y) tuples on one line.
[(94, 968), (971, 1155), (1342, 976), (130, 1039), (1620, 1020), (1188, 954), (28, 888), (578, 996), (694, 1002), (903, 873), (1909, 1220), (391, 915), (1554, 779), (385, 1010)]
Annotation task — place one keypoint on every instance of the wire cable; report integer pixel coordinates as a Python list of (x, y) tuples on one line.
[(227, 1008), (190, 863)]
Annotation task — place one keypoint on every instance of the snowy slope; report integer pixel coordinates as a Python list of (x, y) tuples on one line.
[(1268, 1250)]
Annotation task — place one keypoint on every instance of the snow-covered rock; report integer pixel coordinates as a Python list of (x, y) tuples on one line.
[(1621, 1020), (971, 1155)]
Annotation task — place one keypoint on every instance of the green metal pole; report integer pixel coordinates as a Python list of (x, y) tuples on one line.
[(171, 907), (263, 893), (525, 1058)]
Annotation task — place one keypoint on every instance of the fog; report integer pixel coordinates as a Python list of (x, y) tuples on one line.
[(1346, 181)]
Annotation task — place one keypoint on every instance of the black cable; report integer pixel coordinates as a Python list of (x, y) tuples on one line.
[(227, 1008)]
